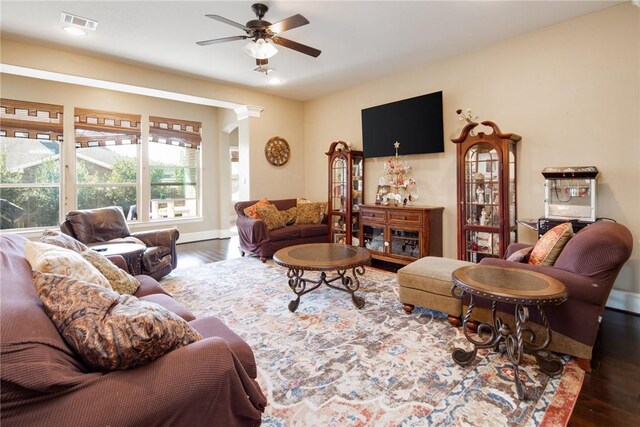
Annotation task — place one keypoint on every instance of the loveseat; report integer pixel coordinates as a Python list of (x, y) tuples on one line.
[(256, 239), (588, 266), (44, 382)]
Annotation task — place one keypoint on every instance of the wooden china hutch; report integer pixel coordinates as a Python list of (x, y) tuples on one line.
[(346, 193), (486, 174)]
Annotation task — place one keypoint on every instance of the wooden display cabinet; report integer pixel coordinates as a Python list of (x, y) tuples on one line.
[(401, 234), (486, 174), (346, 193)]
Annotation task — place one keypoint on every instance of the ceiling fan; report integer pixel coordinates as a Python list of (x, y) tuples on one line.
[(264, 35)]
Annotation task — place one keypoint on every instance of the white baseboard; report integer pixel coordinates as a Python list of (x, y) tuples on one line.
[(624, 300), (204, 235)]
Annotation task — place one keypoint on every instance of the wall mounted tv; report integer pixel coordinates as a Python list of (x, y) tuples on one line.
[(416, 123)]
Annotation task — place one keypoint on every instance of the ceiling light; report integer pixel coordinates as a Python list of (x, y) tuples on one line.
[(261, 49), (274, 81), (75, 31), (76, 25)]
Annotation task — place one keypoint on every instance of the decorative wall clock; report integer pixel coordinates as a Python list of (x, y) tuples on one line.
[(277, 151)]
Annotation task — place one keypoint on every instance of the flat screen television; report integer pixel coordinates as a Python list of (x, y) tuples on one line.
[(416, 123)]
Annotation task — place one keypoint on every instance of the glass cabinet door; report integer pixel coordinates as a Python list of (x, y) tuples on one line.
[(339, 184), (374, 238), (482, 187), (405, 243)]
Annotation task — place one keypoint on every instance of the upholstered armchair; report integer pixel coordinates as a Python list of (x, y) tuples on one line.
[(108, 225), (588, 266)]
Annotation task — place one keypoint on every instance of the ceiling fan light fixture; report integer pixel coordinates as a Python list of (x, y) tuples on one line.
[(261, 49)]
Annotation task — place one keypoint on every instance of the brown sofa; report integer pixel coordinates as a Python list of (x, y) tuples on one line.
[(588, 266), (256, 239), (106, 225), (43, 382)]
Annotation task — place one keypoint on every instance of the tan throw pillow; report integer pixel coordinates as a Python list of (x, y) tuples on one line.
[(107, 330), (289, 216), (47, 258), (251, 211), (547, 249), (58, 238), (120, 281), (271, 216), (309, 213), (323, 206)]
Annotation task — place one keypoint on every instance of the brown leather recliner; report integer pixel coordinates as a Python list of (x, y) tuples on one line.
[(108, 225)]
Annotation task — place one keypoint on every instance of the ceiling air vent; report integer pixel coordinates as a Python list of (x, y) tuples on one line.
[(77, 21)]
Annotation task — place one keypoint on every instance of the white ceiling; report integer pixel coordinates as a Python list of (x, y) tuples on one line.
[(360, 40)]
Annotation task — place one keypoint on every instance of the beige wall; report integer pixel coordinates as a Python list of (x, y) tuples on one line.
[(280, 116), (572, 91)]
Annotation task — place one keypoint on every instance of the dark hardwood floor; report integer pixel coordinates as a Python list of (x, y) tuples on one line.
[(610, 395)]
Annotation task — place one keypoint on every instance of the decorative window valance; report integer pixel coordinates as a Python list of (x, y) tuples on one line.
[(33, 120), (102, 128), (184, 133)]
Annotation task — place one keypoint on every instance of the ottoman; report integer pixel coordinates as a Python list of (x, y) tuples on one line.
[(427, 283)]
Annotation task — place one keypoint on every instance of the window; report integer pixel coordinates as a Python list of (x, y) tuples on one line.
[(107, 159), (30, 138), (174, 164)]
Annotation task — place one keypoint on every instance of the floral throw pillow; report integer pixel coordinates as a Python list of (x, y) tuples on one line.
[(110, 331), (58, 238), (323, 206), (271, 216), (251, 211), (289, 216), (120, 281), (309, 213), (47, 258), (547, 249)]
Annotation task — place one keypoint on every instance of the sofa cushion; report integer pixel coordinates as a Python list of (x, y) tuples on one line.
[(57, 238), (252, 211), (312, 230), (271, 217), (47, 258), (547, 249), (285, 233), (120, 281), (110, 331)]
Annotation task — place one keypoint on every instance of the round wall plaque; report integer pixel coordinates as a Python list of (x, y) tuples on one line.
[(277, 151)]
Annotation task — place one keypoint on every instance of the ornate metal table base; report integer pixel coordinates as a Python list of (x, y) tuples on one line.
[(502, 339), (299, 285)]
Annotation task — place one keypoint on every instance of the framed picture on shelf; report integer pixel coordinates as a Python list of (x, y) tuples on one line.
[(383, 190)]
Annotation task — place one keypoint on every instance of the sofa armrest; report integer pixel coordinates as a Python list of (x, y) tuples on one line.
[(166, 237), (168, 391), (252, 231), (580, 287)]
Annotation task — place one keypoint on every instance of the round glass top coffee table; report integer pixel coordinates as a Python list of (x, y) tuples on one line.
[(516, 286), (323, 257)]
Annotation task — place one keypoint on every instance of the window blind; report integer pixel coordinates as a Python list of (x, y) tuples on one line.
[(184, 133), (102, 128), (33, 120)]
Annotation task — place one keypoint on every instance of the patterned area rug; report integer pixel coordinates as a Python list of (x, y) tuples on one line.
[(330, 364)]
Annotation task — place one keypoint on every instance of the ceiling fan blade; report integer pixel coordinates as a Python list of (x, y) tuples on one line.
[(221, 40), (230, 22), (308, 50), (289, 23)]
